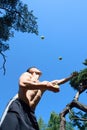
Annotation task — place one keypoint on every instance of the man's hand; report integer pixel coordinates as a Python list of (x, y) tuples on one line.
[(53, 87), (54, 82), (74, 74)]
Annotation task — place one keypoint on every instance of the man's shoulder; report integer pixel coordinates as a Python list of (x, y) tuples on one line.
[(25, 74)]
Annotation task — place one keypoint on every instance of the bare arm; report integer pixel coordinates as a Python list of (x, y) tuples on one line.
[(25, 81), (45, 85), (62, 81)]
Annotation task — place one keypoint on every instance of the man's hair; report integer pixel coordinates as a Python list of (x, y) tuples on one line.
[(30, 68)]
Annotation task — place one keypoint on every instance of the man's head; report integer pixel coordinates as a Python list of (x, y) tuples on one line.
[(34, 70)]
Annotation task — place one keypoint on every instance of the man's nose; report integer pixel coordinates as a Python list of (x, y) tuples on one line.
[(34, 73)]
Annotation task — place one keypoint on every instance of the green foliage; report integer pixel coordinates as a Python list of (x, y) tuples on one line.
[(41, 124), (82, 77), (79, 80), (74, 82), (79, 119), (69, 126), (15, 15), (53, 123), (85, 62), (3, 47)]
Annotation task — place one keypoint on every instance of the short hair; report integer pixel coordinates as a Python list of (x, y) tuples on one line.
[(30, 68)]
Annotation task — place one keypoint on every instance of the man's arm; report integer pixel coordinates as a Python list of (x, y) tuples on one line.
[(45, 85), (64, 80), (31, 85)]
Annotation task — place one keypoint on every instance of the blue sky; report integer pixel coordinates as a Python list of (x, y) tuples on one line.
[(64, 26)]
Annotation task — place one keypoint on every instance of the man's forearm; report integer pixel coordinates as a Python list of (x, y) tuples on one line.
[(37, 85), (62, 81)]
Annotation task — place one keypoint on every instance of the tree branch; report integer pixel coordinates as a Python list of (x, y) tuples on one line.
[(3, 62), (14, 13), (69, 106), (81, 119)]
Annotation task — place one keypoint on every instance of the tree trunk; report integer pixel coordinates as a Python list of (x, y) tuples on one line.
[(71, 105)]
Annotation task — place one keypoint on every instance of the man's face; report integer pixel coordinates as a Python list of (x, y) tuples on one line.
[(35, 71)]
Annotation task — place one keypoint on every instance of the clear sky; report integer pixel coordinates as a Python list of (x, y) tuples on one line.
[(64, 26)]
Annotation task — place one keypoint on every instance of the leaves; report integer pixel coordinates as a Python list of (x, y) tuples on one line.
[(16, 16), (80, 80), (53, 123)]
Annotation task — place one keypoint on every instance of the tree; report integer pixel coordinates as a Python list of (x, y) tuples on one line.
[(79, 119), (80, 84), (14, 15), (41, 124), (53, 123), (69, 126)]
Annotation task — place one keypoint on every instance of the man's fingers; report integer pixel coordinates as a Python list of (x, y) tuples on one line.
[(56, 86)]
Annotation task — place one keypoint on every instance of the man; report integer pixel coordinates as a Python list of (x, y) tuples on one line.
[(19, 114)]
